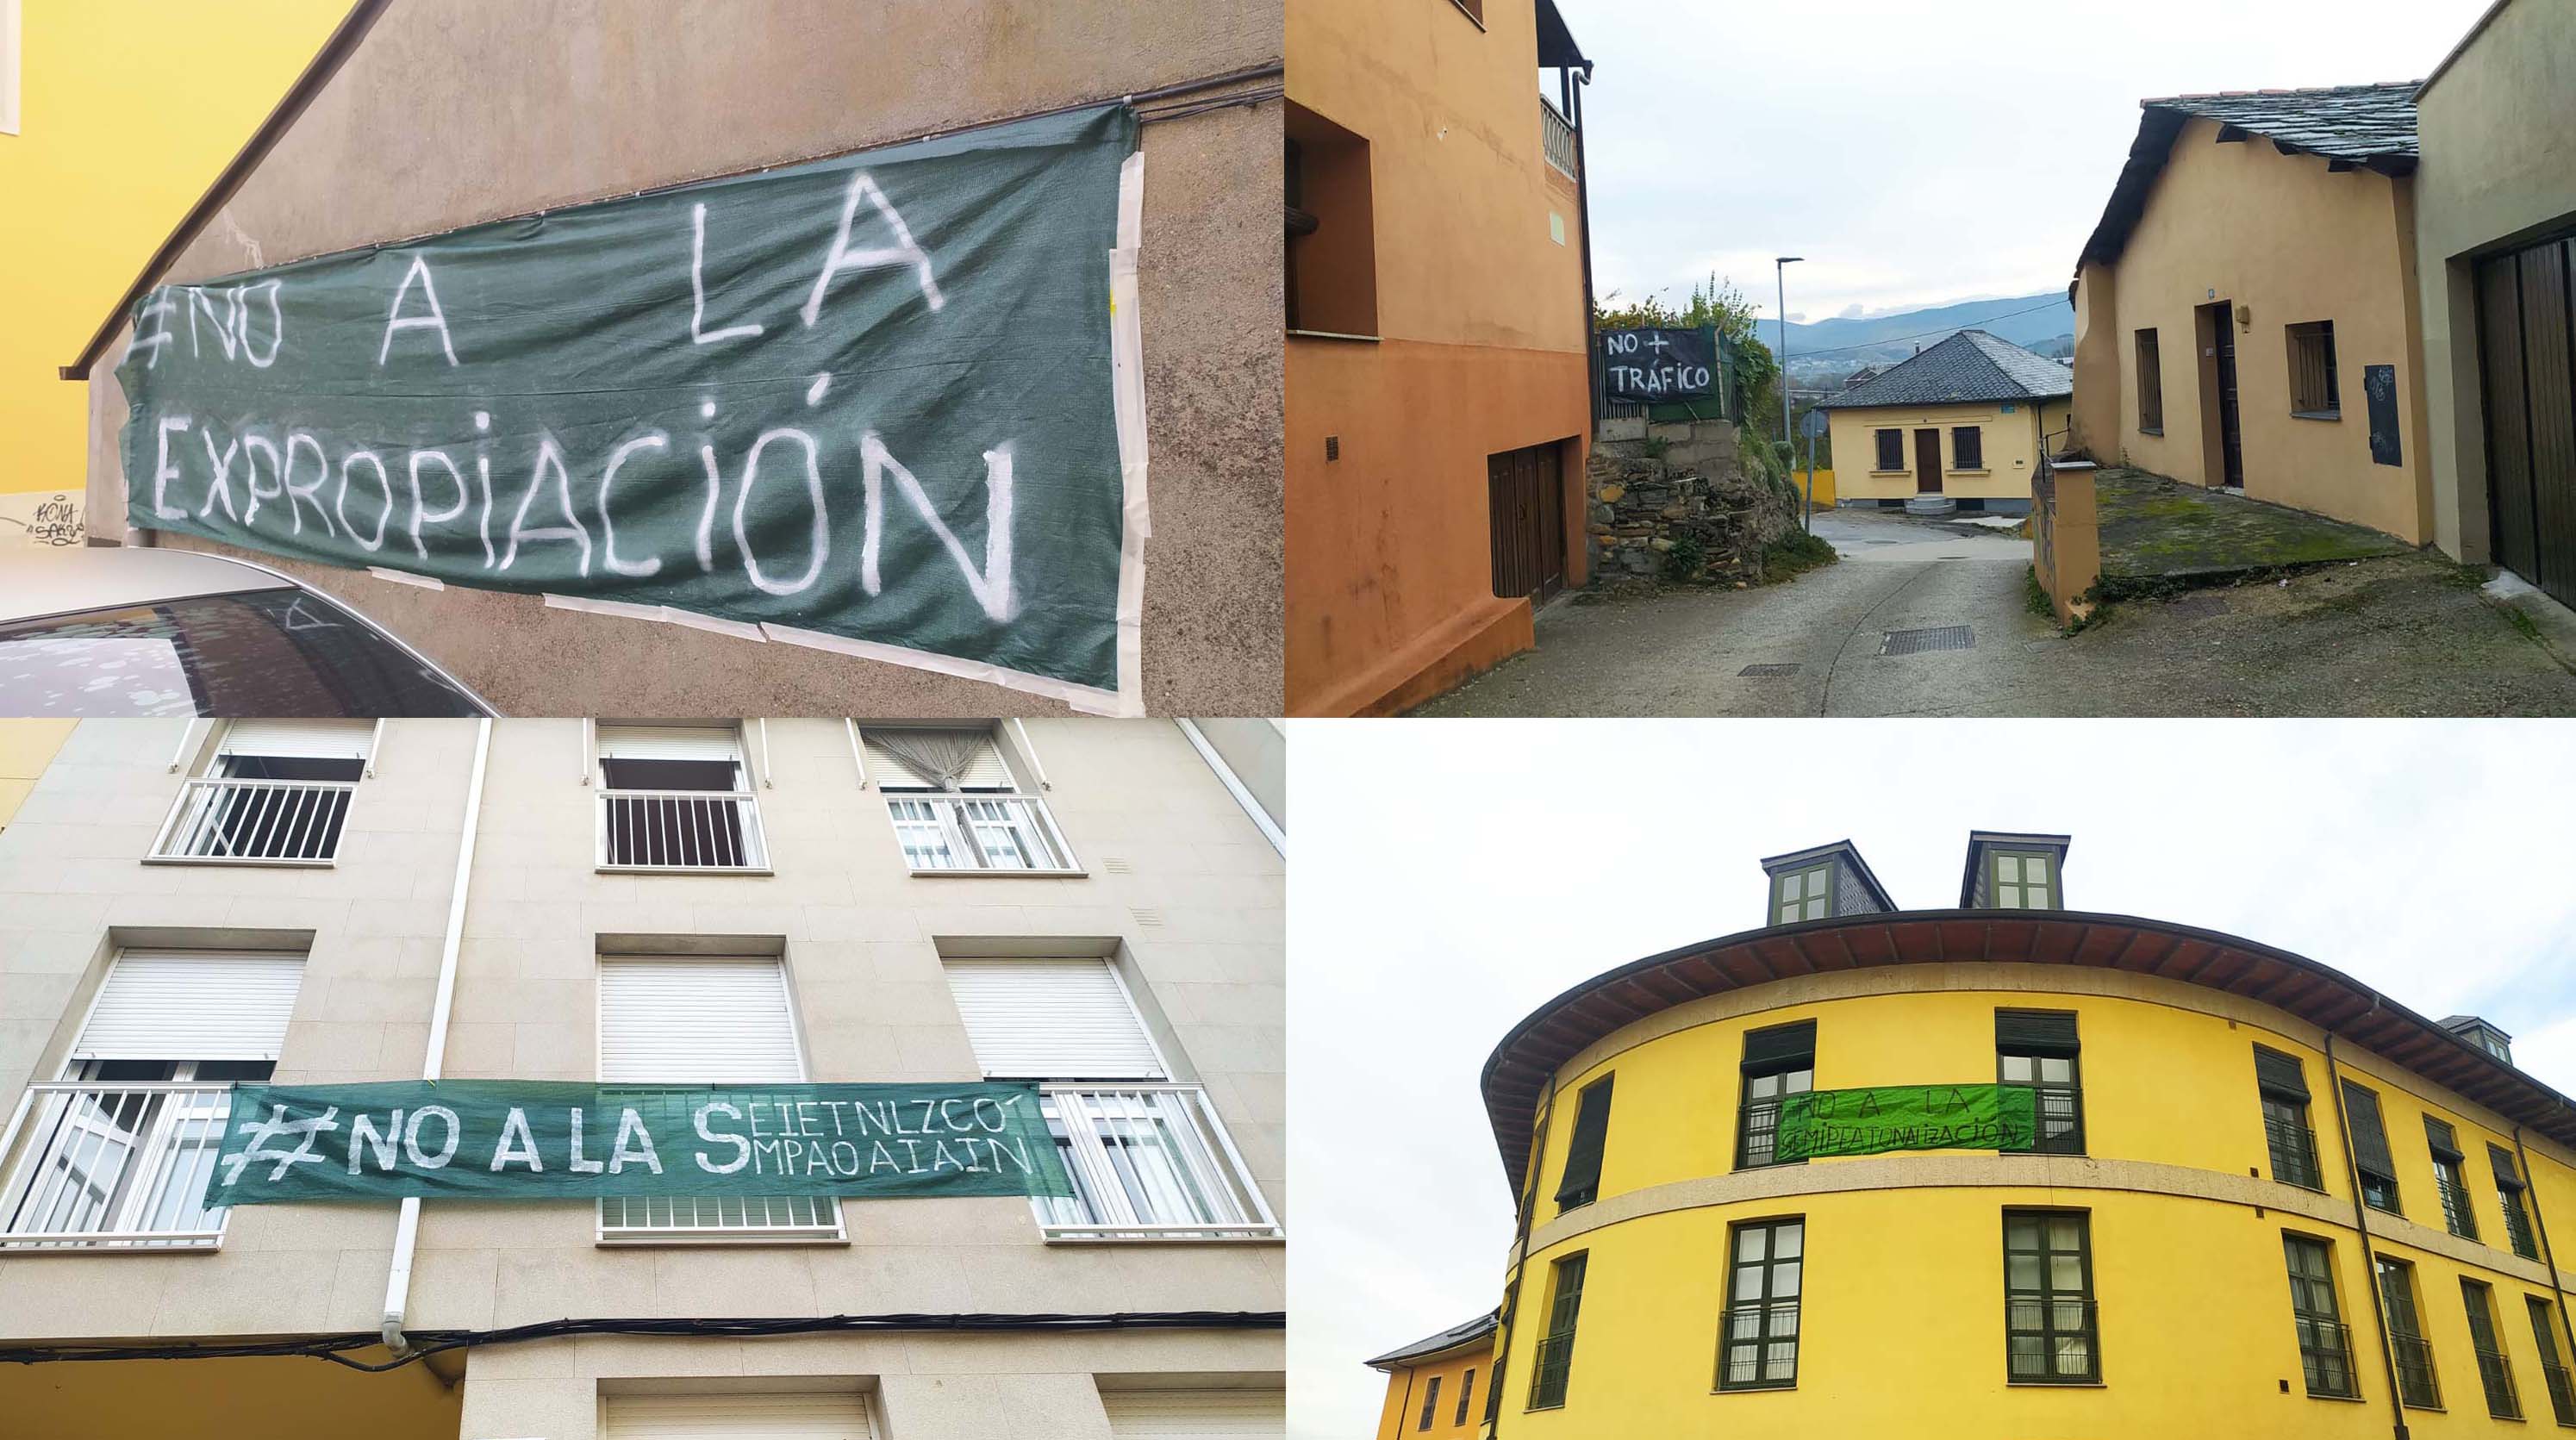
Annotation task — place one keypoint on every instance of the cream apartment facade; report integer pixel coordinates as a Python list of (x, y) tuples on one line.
[(1093, 905)]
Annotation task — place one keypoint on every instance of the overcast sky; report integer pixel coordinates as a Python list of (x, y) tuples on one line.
[(1453, 875), (1919, 154)]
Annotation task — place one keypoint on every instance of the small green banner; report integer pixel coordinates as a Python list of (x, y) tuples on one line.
[(1881, 1118), (553, 1140)]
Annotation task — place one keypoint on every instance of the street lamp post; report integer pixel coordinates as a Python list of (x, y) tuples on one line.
[(1780, 272)]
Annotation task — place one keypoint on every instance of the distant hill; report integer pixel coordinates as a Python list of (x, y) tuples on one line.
[(2044, 322)]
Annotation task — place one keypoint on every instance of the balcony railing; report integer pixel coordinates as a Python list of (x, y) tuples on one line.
[(256, 822), (680, 830), (2562, 1392), (2294, 1154), (1556, 136), (2495, 1376), (2456, 1215), (1149, 1162), (2325, 1353), (1757, 1345), (978, 832), (112, 1167), (736, 1218), (2416, 1384), (2051, 1339)]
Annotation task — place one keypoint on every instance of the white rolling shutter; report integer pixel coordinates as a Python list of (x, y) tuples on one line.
[(986, 772), (1197, 1414), (670, 742), (840, 1416), (695, 1019), (191, 1005), (299, 739), (1052, 1020)]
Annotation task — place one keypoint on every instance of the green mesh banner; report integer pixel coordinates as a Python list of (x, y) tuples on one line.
[(552, 1140), (1907, 1117), (869, 401)]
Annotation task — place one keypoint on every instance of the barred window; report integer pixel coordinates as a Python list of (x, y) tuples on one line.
[(1778, 1062), (2553, 1369), (2049, 1329), (2283, 1089), (1891, 449), (1556, 1348), (2448, 1181), (2370, 1148), (1967, 447), (2037, 1048), (2417, 1385), (2315, 391), (2495, 1373), (2325, 1342), (1758, 1344)]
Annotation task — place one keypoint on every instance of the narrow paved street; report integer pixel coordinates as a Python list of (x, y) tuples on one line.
[(2395, 636)]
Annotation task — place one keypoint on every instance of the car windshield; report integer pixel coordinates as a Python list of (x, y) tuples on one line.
[(261, 652)]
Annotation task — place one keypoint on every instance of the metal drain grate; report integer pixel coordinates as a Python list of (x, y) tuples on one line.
[(1761, 670), (1939, 637)]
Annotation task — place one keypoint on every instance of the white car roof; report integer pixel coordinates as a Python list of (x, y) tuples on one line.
[(39, 582)]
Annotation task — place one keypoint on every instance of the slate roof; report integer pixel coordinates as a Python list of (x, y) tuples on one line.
[(1969, 367), (2363, 126), (1447, 1340)]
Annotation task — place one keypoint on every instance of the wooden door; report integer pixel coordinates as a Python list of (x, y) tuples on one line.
[(2527, 350), (1524, 492), (1927, 462), (2231, 430)]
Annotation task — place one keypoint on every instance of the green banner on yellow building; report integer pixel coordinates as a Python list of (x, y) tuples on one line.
[(1882, 1118)]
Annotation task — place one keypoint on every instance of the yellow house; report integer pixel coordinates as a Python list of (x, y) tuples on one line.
[(1438, 1386), (1961, 425), (114, 116), (2246, 312), (2010, 1168)]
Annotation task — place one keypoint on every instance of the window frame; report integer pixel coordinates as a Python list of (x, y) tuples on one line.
[(2312, 356), (213, 800), (1564, 1317), (1968, 449), (2450, 1181), (2305, 1317), (1785, 1069), (2495, 1363), (1597, 1122), (2387, 1197), (1884, 438), (2151, 382), (2553, 1364), (1808, 897), (1763, 1338), (2073, 1142), (2511, 1187), (2023, 885), (1466, 1393), (2267, 1096), (1430, 1403), (961, 833), (750, 834), (2048, 1297), (2407, 1300)]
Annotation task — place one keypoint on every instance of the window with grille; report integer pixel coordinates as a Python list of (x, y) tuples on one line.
[(2049, 1330), (2370, 1149), (703, 1020), (1556, 1347), (2315, 391), (2553, 1365), (2037, 1049), (1967, 447), (1891, 450), (2517, 1220), (2325, 1342), (2022, 880), (1430, 1403), (676, 797), (2417, 1385), (2448, 1180), (1758, 1344), (1148, 1155), (2495, 1372), (2151, 385), (1778, 1062), (2283, 1088), (276, 792), (1803, 895), (1581, 1183), (957, 804)]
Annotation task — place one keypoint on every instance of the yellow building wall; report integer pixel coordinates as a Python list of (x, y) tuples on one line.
[(26, 748), (2277, 233), (1401, 1417), (128, 110), (2011, 444), (1903, 1318)]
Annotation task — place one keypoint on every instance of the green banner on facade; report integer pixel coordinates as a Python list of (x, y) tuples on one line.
[(554, 1140), (1907, 1117), (890, 399)]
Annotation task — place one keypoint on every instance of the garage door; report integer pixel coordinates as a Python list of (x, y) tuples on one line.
[(2527, 326), (1197, 1414), (836, 1416)]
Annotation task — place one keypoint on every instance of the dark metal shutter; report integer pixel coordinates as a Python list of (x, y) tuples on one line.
[(2279, 1075), (2369, 1136), (2035, 1032), (1782, 1047), (2439, 1138), (1583, 1153), (2502, 1159)]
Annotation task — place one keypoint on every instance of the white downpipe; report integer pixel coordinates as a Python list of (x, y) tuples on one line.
[(407, 1224), (1234, 786)]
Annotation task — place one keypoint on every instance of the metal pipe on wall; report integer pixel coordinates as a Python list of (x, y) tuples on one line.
[(2369, 1253)]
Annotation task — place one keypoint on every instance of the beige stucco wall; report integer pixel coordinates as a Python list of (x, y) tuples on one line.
[(428, 126), (2011, 444), (2246, 224), (1182, 891), (2499, 138)]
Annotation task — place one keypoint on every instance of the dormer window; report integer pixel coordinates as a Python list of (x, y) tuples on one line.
[(1803, 895), (2024, 880)]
